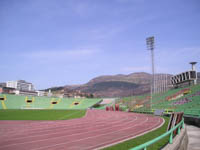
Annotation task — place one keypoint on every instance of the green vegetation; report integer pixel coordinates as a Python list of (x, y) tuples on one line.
[(41, 114), (112, 84), (145, 138)]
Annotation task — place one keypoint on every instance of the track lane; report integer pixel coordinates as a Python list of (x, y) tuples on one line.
[(97, 129), (59, 126)]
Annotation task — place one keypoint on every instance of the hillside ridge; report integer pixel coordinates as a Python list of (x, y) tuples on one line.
[(114, 85)]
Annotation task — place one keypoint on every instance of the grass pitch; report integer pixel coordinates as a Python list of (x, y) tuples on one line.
[(41, 114)]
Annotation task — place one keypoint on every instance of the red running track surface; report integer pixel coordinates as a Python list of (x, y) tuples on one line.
[(97, 129)]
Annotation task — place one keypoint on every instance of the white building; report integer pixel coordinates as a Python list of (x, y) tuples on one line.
[(41, 93), (21, 85), (27, 93), (49, 94)]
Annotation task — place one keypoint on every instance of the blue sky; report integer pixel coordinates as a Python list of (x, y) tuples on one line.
[(59, 42)]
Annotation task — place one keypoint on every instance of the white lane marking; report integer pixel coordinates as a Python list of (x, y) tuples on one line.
[(69, 115), (96, 125), (57, 124), (91, 136), (128, 137), (99, 122), (56, 137)]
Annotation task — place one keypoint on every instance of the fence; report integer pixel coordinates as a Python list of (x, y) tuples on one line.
[(192, 112), (170, 132)]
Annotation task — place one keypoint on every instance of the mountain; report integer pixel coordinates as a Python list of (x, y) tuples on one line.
[(137, 78), (120, 85), (111, 85), (116, 85)]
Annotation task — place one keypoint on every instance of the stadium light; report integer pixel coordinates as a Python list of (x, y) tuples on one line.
[(194, 69), (150, 46), (193, 65)]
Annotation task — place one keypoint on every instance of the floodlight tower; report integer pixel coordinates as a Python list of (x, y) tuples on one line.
[(165, 82), (194, 69), (150, 46)]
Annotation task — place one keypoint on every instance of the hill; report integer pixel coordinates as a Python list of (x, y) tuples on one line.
[(118, 85), (114, 85)]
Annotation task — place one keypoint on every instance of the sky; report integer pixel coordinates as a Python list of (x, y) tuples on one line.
[(64, 42)]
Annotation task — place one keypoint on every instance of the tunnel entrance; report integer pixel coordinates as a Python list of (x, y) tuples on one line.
[(2, 98), (54, 103), (76, 103), (29, 101)]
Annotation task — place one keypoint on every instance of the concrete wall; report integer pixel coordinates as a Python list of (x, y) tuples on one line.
[(195, 121), (180, 142)]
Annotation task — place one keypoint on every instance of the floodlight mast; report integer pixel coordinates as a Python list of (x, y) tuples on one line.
[(166, 83), (150, 46)]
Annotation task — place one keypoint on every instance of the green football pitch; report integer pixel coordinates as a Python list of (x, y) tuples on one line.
[(41, 114)]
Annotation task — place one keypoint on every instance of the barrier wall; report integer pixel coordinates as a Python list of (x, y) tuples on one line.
[(180, 142), (192, 121)]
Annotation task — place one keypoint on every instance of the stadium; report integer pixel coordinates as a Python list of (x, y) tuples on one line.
[(139, 122), (87, 75)]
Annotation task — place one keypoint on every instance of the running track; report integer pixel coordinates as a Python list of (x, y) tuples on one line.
[(97, 129)]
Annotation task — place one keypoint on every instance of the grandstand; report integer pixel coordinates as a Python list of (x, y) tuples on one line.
[(105, 103), (185, 100), (29, 102)]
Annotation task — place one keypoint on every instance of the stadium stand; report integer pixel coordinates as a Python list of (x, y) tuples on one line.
[(106, 102), (24, 102), (185, 100)]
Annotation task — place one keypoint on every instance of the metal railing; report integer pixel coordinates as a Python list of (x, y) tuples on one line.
[(170, 132), (192, 112), (166, 111)]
